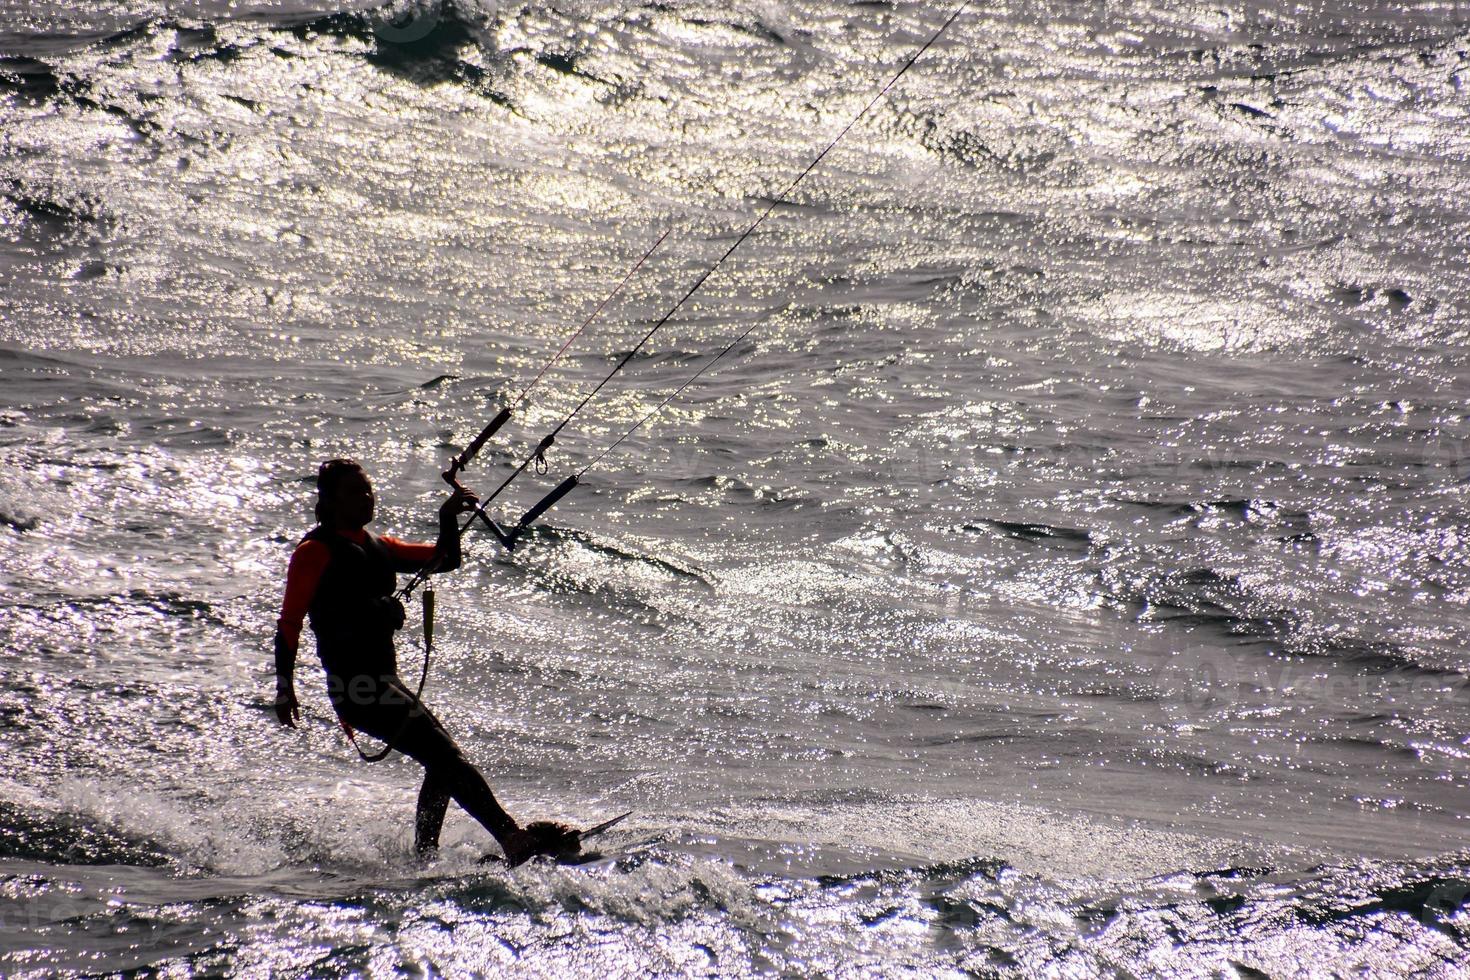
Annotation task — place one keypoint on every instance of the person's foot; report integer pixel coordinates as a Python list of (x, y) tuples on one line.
[(547, 837)]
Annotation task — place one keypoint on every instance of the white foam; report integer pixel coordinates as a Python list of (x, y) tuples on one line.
[(196, 837)]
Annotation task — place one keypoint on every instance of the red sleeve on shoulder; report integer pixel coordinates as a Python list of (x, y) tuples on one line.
[(407, 551), (303, 574)]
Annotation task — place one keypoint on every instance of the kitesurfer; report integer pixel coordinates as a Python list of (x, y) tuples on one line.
[(343, 576)]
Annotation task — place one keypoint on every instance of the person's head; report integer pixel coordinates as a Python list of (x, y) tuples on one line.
[(344, 495)]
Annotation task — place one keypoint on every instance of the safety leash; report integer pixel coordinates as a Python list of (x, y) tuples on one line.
[(428, 599)]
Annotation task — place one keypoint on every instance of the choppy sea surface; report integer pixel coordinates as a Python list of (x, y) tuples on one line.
[(1068, 576)]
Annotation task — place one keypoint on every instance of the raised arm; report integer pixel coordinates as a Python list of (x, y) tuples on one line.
[(443, 555), (447, 547)]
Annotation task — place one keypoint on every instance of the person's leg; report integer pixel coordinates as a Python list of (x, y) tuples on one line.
[(396, 717), (429, 820), (448, 773)]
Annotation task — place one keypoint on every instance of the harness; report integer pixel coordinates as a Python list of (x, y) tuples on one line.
[(351, 638)]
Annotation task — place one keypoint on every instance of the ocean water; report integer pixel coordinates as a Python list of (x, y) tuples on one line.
[(1068, 576)]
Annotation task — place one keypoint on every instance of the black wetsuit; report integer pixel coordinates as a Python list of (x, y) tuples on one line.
[(354, 618)]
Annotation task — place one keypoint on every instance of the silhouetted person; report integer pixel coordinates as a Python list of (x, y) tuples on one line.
[(343, 577)]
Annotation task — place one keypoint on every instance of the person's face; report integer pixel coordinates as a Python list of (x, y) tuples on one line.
[(353, 501)]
